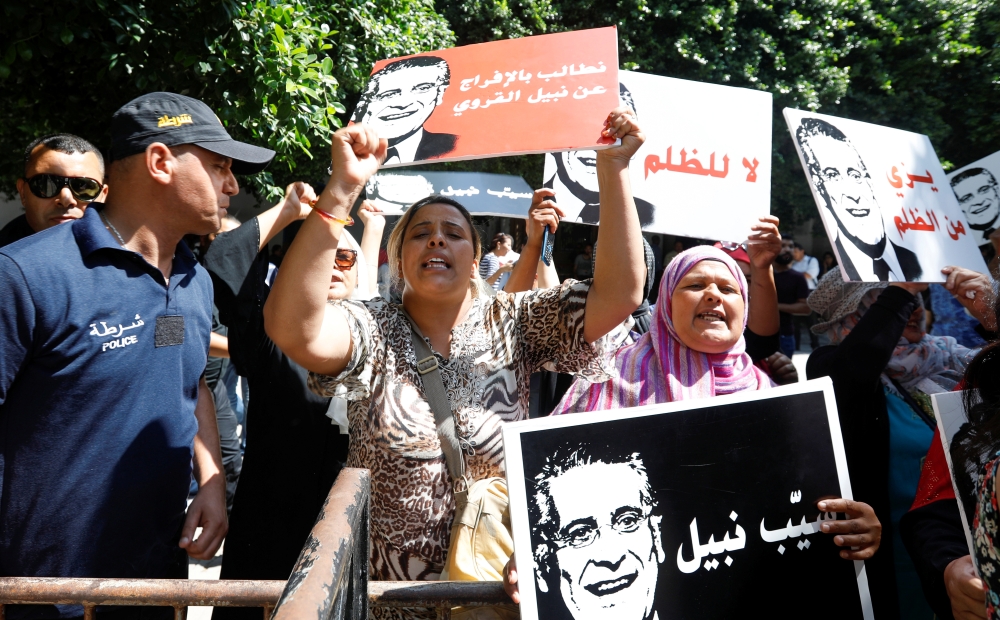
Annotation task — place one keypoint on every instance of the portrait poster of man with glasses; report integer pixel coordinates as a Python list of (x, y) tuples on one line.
[(535, 94), (978, 193), (683, 510), (399, 99), (884, 201)]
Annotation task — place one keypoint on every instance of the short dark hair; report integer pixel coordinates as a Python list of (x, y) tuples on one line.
[(392, 67), (63, 143), (972, 172), (797, 245)]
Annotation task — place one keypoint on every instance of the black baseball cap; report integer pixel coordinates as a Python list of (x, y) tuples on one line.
[(174, 120)]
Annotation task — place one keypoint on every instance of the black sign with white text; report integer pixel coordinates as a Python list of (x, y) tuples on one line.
[(701, 509)]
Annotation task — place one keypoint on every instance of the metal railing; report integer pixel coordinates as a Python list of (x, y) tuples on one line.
[(177, 593), (329, 581)]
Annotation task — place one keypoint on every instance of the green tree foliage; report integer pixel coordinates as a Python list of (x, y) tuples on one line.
[(276, 73), (931, 66)]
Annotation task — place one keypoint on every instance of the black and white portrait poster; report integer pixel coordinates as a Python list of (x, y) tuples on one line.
[(699, 509), (976, 189), (884, 200), (704, 170), (482, 193), (949, 411)]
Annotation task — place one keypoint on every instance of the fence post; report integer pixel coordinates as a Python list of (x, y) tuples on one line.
[(330, 579)]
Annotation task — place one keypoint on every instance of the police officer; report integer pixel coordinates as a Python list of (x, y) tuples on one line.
[(104, 335)]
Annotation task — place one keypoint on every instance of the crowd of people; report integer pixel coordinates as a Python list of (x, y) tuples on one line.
[(118, 432)]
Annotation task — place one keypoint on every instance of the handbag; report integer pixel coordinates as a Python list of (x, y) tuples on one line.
[(481, 543)]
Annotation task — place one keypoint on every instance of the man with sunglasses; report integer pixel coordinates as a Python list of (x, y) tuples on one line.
[(104, 337), (63, 174)]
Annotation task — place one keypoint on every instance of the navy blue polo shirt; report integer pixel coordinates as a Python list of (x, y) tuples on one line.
[(100, 362)]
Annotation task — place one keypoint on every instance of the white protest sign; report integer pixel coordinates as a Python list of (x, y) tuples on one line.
[(975, 187), (704, 171), (883, 198)]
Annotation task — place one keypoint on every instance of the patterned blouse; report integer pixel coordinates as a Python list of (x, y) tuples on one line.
[(984, 529), (493, 353)]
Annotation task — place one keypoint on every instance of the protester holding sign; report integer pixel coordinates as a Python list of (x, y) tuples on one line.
[(487, 346), (974, 450), (298, 442), (695, 346), (883, 365), (936, 539)]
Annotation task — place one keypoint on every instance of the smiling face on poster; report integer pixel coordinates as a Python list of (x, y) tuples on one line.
[(704, 170), (528, 95), (883, 199), (978, 194), (651, 512)]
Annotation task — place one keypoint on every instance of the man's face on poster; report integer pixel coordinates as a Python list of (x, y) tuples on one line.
[(404, 100), (979, 199), (581, 166), (608, 545), (845, 182)]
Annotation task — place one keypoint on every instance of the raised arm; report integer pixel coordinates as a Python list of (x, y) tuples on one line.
[(296, 315), (618, 276), (763, 245), (294, 206), (543, 212), (548, 277), (371, 239)]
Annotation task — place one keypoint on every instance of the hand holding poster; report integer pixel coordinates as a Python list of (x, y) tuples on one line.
[(978, 194), (652, 512), (530, 95), (881, 194), (704, 170)]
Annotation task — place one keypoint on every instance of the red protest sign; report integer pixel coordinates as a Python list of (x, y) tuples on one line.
[(532, 95)]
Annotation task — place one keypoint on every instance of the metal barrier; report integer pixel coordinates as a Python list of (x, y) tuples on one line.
[(329, 581), (176, 593)]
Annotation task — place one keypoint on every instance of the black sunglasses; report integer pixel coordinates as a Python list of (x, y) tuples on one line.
[(49, 185), (345, 259)]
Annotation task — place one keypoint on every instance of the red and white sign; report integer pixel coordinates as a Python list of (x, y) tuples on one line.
[(530, 95), (884, 199), (704, 170)]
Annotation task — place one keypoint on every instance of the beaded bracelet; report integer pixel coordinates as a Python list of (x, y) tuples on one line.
[(336, 220)]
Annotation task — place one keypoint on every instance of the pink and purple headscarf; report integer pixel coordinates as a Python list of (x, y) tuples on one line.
[(659, 368)]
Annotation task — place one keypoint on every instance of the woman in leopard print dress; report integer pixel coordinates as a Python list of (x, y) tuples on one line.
[(486, 346)]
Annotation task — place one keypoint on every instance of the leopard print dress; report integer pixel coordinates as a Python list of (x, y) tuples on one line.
[(493, 353)]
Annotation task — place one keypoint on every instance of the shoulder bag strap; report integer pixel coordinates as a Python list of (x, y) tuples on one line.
[(437, 397)]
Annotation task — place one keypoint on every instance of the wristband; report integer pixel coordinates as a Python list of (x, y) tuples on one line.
[(336, 220)]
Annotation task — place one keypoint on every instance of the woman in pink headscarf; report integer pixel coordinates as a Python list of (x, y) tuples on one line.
[(694, 347)]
